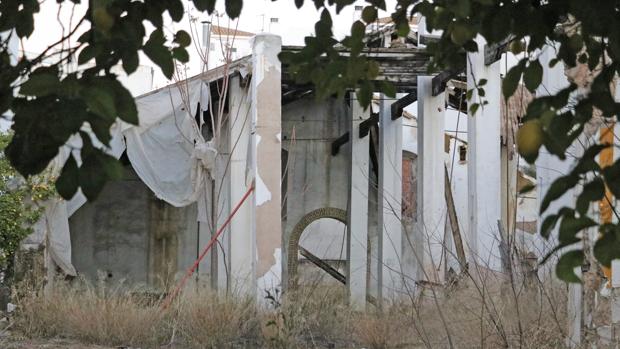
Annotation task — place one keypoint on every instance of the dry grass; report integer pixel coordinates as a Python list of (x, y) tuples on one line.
[(479, 312)]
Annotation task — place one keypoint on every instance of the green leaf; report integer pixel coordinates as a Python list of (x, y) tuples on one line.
[(68, 181), (571, 226), (89, 52), (369, 14), (159, 54), (41, 84), (182, 38), (180, 54), (511, 81), (557, 189), (532, 77), (592, 191), (548, 224), (233, 8), (607, 247), (125, 104), (205, 5), (567, 263), (130, 62), (175, 9), (100, 101)]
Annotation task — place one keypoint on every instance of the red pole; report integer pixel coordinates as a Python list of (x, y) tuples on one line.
[(191, 270)]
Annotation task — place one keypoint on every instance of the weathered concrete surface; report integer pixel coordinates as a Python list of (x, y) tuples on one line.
[(128, 234), (431, 182), (484, 164), (315, 178), (267, 121), (357, 239)]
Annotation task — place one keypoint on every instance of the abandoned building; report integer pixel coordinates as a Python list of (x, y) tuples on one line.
[(383, 200)]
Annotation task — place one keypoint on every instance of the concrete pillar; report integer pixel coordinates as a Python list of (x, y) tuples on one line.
[(484, 164), (389, 201), (548, 169), (266, 121), (222, 205), (431, 181), (242, 239), (357, 237)]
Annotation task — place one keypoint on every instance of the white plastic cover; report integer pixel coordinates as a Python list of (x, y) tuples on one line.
[(167, 150)]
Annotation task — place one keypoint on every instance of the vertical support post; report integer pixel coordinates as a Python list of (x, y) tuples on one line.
[(242, 241), (431, 181), (548, 169), (267, 122), (484, 165), (390, 201), (357, 237), (222, 206)]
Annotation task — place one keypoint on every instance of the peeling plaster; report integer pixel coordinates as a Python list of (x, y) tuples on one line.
[(262, 192), (272, 280), (265, 58)]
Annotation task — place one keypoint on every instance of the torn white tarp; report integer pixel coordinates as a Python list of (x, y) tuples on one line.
[(52, 228), (167, 150)]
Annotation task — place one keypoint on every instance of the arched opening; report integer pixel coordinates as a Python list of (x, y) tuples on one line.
[(323, 232)]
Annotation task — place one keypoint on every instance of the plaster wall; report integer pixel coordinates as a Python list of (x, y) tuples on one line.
[(315, 179), (129, 234)]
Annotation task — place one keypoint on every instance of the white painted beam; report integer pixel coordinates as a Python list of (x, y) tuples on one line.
[(357, 237), (431, 182)]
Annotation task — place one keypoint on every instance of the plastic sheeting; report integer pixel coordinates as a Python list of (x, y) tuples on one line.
[(166, 149)]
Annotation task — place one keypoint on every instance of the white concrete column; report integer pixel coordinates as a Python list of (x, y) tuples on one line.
[(548, 168), (357, 237), (242, 239), (431, 181), (389, 200), (267, 128), (484, 164)]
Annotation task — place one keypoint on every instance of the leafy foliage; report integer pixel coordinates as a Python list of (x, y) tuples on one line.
[(17, 206)]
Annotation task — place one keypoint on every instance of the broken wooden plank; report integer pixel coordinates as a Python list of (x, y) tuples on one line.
[(440, 81), (454, 222), (398, 106), (367, 124), (339, 142), (323, 265), (493, 52)]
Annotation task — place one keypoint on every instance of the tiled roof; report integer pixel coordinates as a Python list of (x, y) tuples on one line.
[(224, 31)]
